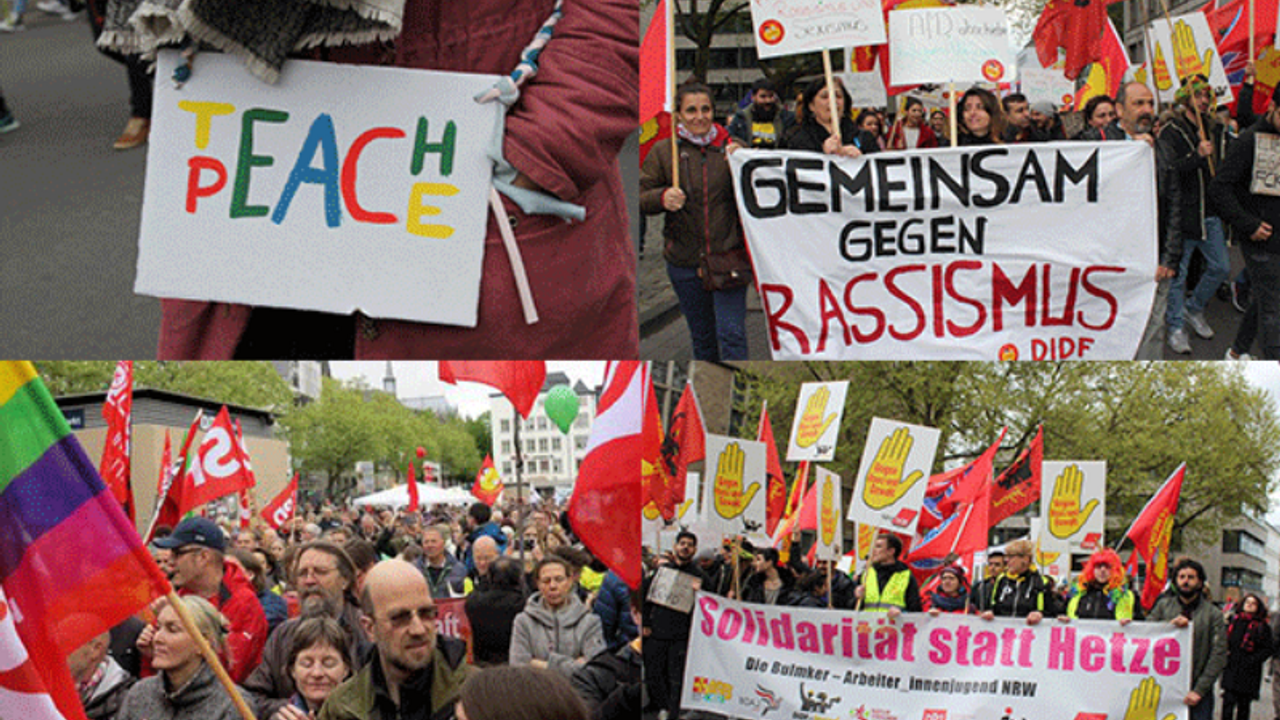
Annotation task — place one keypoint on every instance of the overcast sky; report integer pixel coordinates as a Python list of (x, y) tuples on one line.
[(416, 379)]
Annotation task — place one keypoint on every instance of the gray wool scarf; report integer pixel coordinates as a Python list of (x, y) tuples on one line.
[(261, 32)]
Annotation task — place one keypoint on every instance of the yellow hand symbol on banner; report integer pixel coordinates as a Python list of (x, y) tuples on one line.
[(1065, 514), (828, 519), (1144, 700), (651, 512), (812, 426), (885, 485), (1163, 81), (731, 500), (489, 480), (1186, 56)]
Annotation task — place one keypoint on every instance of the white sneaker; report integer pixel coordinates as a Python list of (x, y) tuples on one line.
[(12, 23), (1178, 342), (1200, 325), (53, 7), (1242, 357)]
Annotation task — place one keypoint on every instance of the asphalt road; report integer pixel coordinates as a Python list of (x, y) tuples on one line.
[(70, 205)]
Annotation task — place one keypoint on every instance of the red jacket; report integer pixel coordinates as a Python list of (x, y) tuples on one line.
[(247, 632), (564, 133), (898, 139)]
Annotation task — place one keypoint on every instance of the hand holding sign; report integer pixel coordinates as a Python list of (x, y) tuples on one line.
[(1186, 56), (1144, 700), (730, 500), (1065, 514), (885, 485), (812, 426)]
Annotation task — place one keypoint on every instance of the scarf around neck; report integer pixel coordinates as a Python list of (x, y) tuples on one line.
[(700, 140)]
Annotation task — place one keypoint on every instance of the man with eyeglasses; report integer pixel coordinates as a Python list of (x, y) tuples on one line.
[(325, 577), (200, 569), (414, 674), (1020, 591)]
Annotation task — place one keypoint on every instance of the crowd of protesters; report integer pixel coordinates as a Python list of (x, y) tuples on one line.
[(338, 615), (1230, 646), (1204, 161)]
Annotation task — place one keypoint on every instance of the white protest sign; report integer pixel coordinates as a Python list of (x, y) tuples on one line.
[(1189, 50), (962, 44), (776, 661), (1266, 165), (1041, 85), (1073, 503), (830, 544), (1053, 556), (338, 189), (816, 425), (866, 89), (734, 497), (674, 589), (789, 27), (1041, 251), (893, 474)]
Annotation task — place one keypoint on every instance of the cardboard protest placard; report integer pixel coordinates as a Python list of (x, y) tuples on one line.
[(1073, 503), (1266, 165), (1053, 556), (866, 89), (733, 499), (1182, 47), (830, 522), (1046, 85), (961, 44), (789, 27), (338, 189), (1039, 251), (816, 426), (673, 589), (893, 475), (686, 514)]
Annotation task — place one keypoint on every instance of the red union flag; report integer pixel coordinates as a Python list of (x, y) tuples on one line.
[(1019, 485), (519, 380), (219, 469), (488, 484), (118, 412), (280, 510), (776, 494), (684, 444), (1150, 534)]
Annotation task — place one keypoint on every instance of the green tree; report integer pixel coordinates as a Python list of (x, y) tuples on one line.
[(252, 384)]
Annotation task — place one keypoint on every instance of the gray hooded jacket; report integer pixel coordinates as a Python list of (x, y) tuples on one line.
[(559, 637), (202, 698)]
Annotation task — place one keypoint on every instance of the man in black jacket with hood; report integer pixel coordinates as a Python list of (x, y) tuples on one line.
[(666, 630), (1246, 192)]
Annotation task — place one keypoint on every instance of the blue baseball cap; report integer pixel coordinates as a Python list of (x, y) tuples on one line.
[(194, 531)]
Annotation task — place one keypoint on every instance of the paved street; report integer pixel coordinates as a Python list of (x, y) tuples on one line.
[(664, 335), (70, 205)]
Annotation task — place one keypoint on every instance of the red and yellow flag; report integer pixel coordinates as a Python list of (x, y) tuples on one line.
[(1150, 534)]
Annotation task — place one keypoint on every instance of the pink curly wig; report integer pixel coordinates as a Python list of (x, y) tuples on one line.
[(1109, 558)]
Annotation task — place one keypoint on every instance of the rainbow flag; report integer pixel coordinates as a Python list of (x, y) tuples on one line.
[(71, 565)]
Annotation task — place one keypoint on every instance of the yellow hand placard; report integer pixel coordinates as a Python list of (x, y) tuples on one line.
[(731, 499), (1186, 56), (812, 425), (828, 520), (885, 485), (1144, 700), (1065, 514)]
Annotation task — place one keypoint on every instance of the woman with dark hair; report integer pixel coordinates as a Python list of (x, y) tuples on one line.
[(317, 663), (1099, 112), (910, 130), (1101, 591), (772, 583), (816, 132), (704, 246), (1249, 644), (981, 121), (951, 594), (519, 693)]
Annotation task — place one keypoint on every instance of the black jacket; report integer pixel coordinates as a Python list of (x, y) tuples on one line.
[(663, 622), (1236, 204), (1019, 597), (809, 135), (610, 683), (1248, 647), (753, 591), (492, 611), (745, 129), (1189, 171)]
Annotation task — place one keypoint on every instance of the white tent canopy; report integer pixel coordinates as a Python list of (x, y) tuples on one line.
[(398, 496)]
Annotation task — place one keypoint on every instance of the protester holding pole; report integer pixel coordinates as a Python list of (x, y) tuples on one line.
[(704, 247), (817, 132)]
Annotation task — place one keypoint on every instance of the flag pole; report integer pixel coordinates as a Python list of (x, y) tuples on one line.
[(524, 511), (737, 571), (954, 139), (1151, 56), (858, 608), (1251, 30), (831, 96), (210, 657), (671, 90)]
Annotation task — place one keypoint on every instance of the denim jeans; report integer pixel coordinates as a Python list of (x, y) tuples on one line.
[(1262, 318), (717, 320), (1217, 268)]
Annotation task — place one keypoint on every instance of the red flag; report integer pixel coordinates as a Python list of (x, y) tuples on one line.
[(71, 564), (1230, 26), (219, 469), (488, 484), (413, 491), (776, 493), (1078, 26), (608, 478), (1019, 485), (1151, 531), (652, 130), (280, 510), (116, 452), (965, 512), (1107, 71), (685, 443), (246, 512), (791, 516), (519, 380), (655, 72), (655, 483), (170, 506)]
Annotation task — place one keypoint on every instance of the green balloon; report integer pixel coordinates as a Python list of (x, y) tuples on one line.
[(562, 407)]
